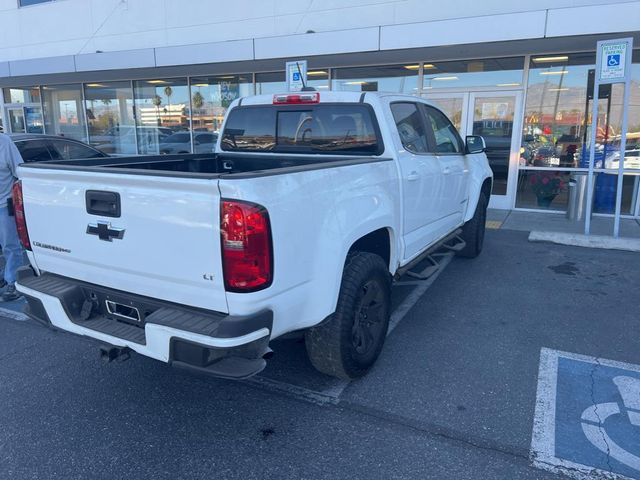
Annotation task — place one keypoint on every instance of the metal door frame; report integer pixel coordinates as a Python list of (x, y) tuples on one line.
[(9, 126), (507, 201), (465, 106)]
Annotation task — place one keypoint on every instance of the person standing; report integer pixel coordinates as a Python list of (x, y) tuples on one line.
[(10, 158)]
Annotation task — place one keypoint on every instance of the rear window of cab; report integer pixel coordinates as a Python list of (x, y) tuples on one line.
[(348, 129)]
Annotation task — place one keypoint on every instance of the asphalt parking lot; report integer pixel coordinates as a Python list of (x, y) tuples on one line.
[(457, 393)]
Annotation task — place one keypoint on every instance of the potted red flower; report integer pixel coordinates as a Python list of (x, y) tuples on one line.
[(546, 185)]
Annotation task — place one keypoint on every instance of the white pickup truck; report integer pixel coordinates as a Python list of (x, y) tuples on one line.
[(299, 221)]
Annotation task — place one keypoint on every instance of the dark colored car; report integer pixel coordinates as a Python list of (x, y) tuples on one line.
[(38, 148), (204, 142)]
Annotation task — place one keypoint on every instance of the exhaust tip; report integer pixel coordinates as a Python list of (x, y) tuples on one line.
[(268, 354)]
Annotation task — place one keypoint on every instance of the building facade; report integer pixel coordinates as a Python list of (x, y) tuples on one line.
[(132, 76)]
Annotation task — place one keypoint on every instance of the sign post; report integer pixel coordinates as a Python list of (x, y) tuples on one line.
[(613, 65), (296, 75)]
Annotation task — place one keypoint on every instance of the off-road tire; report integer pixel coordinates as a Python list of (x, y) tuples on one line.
[(336, 346), (473, 230)]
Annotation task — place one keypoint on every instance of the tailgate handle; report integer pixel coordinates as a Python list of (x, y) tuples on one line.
[(104, 204)]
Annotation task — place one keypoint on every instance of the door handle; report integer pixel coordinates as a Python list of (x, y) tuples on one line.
[(446, 170), (413, 176)]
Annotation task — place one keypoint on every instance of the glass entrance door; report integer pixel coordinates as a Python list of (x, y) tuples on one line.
[(492, 115), (16, 120), (25, 119)]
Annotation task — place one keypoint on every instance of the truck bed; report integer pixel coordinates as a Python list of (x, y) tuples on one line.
[(205, 165)]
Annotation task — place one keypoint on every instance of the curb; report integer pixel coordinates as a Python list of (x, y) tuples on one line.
[(587, 241)]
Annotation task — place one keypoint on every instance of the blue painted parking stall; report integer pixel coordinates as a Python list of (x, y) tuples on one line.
[(587, 419)]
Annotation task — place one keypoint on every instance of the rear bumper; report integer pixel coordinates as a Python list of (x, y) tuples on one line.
[(209, 342)]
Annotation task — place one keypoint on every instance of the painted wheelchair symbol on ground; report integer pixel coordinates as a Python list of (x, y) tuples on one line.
[(587, 420)]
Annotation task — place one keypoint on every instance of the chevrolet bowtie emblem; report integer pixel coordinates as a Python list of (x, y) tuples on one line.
[(104, 231)]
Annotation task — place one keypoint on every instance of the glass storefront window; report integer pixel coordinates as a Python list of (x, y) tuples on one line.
[(63, 111), (556, 131), (543, 189), (631, 195), (549, 190), (384, 78), (22, 95), (109, 110), (210, 98), (276, 82), (271, 82), (557, 110), (162, 108), (493, 72)]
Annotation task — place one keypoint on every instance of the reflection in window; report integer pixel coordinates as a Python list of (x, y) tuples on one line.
[(446, 138), (493, 72), (211, 96), (452, 108), (272, 82), (22, 95), (410, 126), (347, 129), (558, 110), (109, 110), (63, 111), (162, 107), (385, 78), (67, 149)]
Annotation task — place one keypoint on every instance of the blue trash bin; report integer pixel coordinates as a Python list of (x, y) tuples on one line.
[(605, 193)]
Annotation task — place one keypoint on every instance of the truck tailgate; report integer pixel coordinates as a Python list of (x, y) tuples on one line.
[(164, 244)]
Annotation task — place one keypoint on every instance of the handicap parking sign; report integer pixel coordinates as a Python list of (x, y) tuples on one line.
[(296, 76), (613, 60), (587, 415)]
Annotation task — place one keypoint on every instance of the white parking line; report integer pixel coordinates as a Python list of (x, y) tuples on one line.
[(313, 396), (558, 414), (13, 315)]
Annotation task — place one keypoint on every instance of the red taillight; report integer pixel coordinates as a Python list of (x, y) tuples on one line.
[(21, 222), (246, 246), (294, 99)]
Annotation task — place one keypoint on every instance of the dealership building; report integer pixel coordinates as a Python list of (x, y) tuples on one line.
[(123, 75)]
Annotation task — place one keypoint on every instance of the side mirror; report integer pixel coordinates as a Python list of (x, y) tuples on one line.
[(475, 144)]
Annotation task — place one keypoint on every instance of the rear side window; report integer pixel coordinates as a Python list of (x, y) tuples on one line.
[(410, 127), (34, 151), (72, 150), (446, 136), (328, 128)]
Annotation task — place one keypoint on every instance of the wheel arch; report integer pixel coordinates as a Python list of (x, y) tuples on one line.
[(378, 242), (476, 190)]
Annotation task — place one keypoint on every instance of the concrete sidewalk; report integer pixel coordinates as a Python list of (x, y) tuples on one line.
[(550, 222)]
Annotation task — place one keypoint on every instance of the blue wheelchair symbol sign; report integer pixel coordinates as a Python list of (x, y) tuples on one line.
[(613, 60), (587, 415), (296, 76)]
